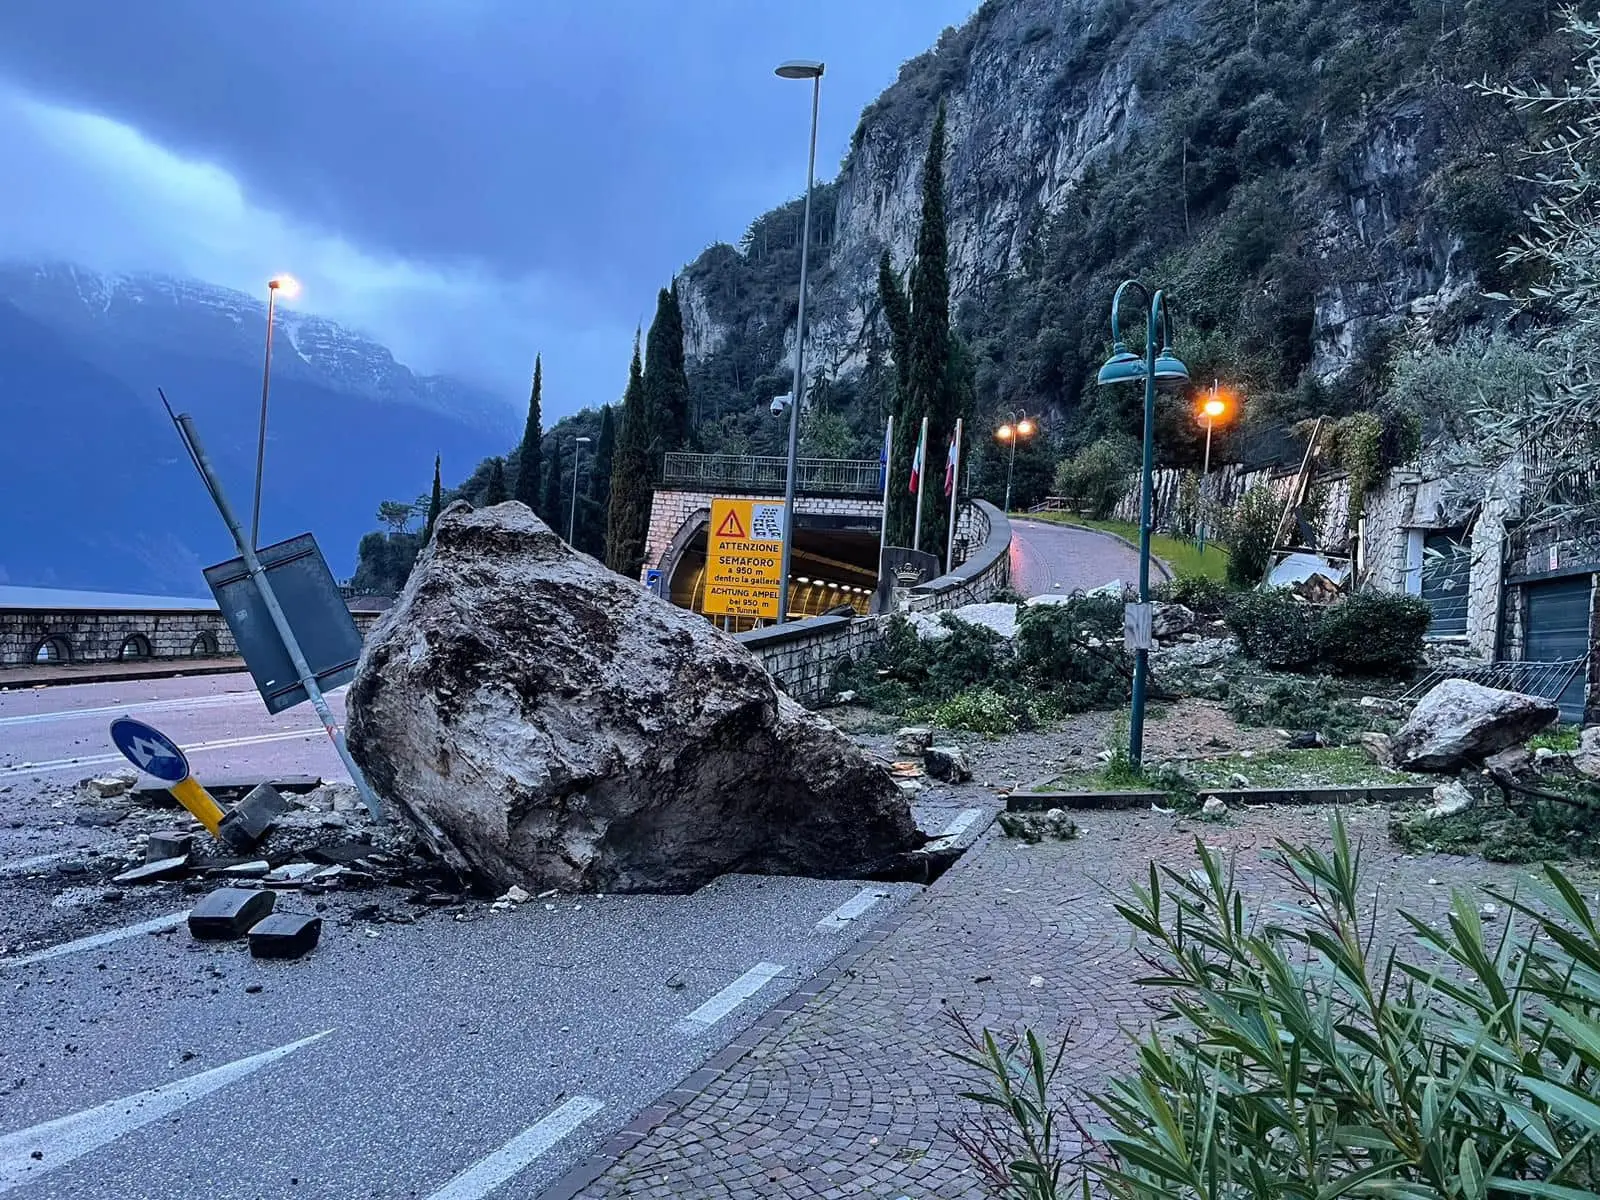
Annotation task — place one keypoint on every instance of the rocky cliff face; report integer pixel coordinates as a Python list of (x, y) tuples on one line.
[(1328, 109)]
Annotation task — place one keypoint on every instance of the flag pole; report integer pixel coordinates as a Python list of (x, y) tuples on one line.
[(955, 495), (888, 476), (922, 478)]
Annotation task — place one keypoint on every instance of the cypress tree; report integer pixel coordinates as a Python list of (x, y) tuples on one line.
[(929, 374), (933, 372), (551, 511), (592, 508), (666, 383), (604, 448), (628, 518), (907, 423), (527, 489), (435, 503), (495, 493)]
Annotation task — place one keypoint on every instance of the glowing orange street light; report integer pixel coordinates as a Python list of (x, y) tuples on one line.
[(1013, 431)]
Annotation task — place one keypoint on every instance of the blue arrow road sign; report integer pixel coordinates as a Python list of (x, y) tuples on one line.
[(152, 751)]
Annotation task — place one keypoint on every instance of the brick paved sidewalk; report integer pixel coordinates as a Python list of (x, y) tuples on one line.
[(850, 1095)]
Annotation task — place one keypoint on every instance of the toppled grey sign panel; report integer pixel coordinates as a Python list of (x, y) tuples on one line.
[(317, 614)]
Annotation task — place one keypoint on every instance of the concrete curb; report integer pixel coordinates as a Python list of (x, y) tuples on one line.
[(595, 1165), (26, 677), (1160, 564), (1384, 793)]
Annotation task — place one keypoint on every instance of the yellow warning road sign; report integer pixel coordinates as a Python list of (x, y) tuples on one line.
[(744, 558)]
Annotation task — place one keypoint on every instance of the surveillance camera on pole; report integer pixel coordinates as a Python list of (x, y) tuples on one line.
[(780, 404)]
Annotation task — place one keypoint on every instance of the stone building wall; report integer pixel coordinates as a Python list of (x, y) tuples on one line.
[(803, 656), (99, 636), (95, 636)]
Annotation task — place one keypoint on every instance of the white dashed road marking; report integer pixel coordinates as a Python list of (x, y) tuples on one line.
[(30, 1153), (74, 714), (100, 760), (852, 908), (516, 1155), (735, 994), (154, 925)]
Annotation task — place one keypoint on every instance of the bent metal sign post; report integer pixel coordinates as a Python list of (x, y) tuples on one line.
[(744, 558)]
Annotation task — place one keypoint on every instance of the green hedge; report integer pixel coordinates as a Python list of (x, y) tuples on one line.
[(1370, 633)]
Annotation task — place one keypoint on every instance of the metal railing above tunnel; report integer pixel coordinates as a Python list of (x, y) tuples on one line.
[(765, 473)]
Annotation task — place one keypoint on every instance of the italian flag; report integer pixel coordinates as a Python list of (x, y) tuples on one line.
[(950, 466), (916, 468)]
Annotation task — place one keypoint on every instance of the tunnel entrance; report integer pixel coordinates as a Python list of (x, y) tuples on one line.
[(834, 563)]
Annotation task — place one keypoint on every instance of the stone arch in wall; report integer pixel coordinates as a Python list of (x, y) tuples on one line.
[(56, 648), (204, 645), (134, 647), (692, 528)]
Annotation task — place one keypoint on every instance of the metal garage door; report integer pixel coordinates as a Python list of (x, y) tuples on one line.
[(1558, 629), (1446, 575)]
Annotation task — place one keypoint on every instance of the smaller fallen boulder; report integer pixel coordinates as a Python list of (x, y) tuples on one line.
[(913, 740), (1449, 798), (947, 763), (1170, 620), (1587, 756), (1460, 723), (1035, 827)]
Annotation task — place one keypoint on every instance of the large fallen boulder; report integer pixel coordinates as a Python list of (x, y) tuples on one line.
[(547, 723), (1459, 723)]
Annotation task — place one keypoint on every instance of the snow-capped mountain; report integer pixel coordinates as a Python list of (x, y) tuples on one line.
[(189, 316), (95, 490)]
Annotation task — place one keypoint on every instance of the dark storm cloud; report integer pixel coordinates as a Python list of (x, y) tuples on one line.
[(594, 146)]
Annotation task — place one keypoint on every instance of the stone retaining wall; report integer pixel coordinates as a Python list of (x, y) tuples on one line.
[(803, 656), (101, 635)]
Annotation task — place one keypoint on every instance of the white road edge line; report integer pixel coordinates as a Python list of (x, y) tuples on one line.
[(519, 1153), (59, 1142), (69, 714), (20, 865), (735, 994), (100, 760), (154, 925), (852, 908)]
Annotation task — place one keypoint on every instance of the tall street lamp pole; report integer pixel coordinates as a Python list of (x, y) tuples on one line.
[(1213, 408), (1152, 369), (572, 520), (798, 69), (1014, 430), (288, 287)]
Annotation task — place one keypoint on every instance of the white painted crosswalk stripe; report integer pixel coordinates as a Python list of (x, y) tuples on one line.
[(520, 1152), (735, 994), (154, 925), (30, 1153), (852, 908)]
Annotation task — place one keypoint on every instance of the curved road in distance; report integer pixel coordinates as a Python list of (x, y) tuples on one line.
[(1049, 558)]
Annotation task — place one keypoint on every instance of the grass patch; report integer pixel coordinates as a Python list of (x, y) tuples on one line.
[(1182, 556), (1563, 739), (1337, 766)]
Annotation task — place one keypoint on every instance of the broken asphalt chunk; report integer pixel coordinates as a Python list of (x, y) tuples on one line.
[(229, 912), (291, 874), (167, 844), (157, 872), (253, 869), (285, 935), (252, 817)]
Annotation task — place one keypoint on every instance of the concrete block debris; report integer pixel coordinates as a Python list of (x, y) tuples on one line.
[(285, 935), (229, 913)]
